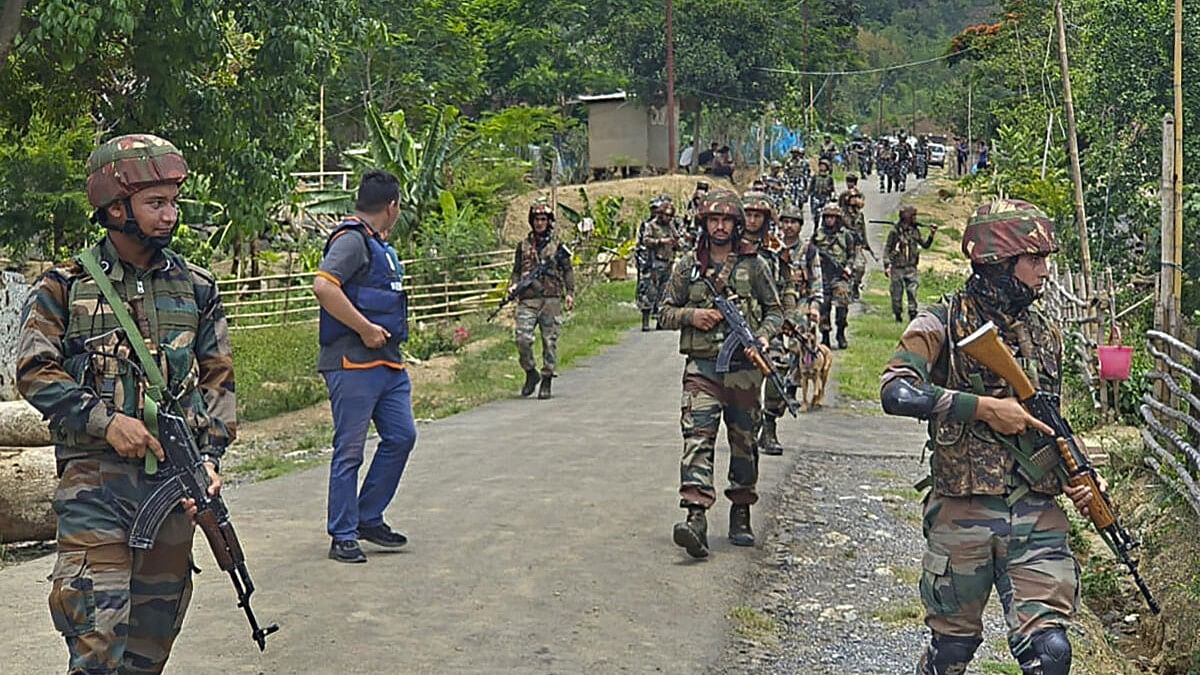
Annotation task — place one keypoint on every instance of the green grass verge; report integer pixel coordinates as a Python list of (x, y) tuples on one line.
[(276, 367), (874, 334), (603, 313)]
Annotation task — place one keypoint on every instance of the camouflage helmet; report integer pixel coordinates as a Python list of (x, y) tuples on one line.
[(540, 207), (126, 164), (757, 201), (851, 178), (723, 203), (1006, 228), (792, 212), (831, 209), (824, 162), (776, 164)]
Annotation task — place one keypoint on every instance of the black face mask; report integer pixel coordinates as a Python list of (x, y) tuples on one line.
[(1000, 290)]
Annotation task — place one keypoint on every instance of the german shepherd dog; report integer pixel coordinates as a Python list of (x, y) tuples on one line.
[(812, 363)]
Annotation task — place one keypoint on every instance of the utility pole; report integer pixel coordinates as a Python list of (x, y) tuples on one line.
[(804, 50), (1177, 261), (672, 149), (321, 143), (970, 113), (1085, 254)]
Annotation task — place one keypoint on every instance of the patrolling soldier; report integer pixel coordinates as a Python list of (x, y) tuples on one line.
[(118, 608), (835, 246), (800, 295), (984, 523), (760, 216), (709, 396), (900, 260), (691, 218), (852, 203), (820, 189), (658, 239), (542, 255), (798, 172)]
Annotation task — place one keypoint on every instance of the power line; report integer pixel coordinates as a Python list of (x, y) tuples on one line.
[(868, 71)]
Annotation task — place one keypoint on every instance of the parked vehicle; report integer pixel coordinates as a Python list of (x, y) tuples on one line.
[(937, 154)]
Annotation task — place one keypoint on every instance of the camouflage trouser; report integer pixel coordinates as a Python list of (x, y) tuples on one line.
[(119, 609), (532, 313), (708, 398), (773, 403), (652, 283), (904, 282), (978, 542), (837, 294), (859, 269)]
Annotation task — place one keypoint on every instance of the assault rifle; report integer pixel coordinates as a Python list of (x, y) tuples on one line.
[(183, 475), (984, 346), (742, 338), (888, 222), (527, 281)]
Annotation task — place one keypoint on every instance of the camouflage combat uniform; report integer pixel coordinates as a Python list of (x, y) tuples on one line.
[(797, 172), (659, 242), (837, 249), (120, 609), (856, 224), (820, 191), (769, 249), (901, 257), (985, 525), (541, 305)]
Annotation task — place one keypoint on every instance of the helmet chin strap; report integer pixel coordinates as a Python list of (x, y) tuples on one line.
[(131, 227)]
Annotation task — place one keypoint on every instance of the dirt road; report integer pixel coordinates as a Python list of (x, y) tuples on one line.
[(540, 543)]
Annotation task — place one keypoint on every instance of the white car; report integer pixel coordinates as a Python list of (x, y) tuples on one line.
[(937, 154)]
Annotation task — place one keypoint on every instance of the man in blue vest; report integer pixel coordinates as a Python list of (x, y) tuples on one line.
[(364, 318)]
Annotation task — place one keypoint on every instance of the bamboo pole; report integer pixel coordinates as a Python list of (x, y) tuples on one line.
[(1085, 255), (1177, 260)]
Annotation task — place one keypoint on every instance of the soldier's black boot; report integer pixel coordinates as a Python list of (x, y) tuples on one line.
[(645, 321), (842, 314), (692, 533), (544, 389), (767, 440), (825, 338), (912, 314), (896, 314), (531, 381), (740, 533)]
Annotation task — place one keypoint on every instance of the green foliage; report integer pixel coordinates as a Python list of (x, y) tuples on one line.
[(192, 246), (42, 197), (276, 370), (432, 340)]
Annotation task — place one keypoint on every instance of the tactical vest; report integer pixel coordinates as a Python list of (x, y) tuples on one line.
[(165, 303), (837, 246), (797, 262), (969, 458), (379, 295), (551, 284), (652, 229), (907, 251), (739, 286)]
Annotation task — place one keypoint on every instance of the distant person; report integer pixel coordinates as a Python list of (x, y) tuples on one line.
[(364, 320), (707, 157), (685, 157), (541, 257), (981, 164), (962, 150), (723, 163)]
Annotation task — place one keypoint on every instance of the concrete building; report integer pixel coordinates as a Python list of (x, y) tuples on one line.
[(623, 132)]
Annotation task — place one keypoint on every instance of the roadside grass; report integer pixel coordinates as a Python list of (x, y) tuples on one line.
[(752, 624), (998, 668), (603, 313), (901, 613), (276, 370)]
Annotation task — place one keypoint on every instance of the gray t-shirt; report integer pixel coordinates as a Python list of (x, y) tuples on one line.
[(348, 261)]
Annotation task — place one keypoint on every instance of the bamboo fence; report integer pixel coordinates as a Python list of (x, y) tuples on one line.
[(1172, 415), (439, 287)]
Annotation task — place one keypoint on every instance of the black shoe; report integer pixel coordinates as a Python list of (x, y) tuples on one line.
[(740, 533), (841, 340), (767, 439), (544, 390), (382, 535), (347, 552), (645, 321), (692, 534), (825, 338), (531, 381), (897, 315)]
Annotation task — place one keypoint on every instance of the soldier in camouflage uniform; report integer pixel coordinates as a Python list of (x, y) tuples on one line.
[(797, 172), (542, 304), (760, 216), (709, 396), (901, 257), (852, 202), (820, 189), (120, 609), (657, 241), (691, 218), (835, 246), (985, 523), (800, 295)]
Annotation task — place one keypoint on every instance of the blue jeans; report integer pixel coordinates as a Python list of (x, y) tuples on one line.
[(358, 397)]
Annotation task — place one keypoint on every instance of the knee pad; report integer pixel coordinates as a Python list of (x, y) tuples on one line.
[(948, 655), (1048, 653)]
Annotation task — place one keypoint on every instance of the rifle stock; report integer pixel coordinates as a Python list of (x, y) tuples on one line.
[(985, 346)]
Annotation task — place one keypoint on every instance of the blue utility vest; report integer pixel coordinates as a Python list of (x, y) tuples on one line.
[(379, 296)]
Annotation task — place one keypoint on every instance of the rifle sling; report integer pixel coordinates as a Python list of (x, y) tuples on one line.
[(156, 385)]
